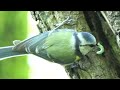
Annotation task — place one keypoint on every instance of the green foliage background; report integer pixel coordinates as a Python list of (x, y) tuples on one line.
[(13, 26)]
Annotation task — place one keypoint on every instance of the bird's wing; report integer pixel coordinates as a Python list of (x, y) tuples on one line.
[(29, 45), (57, 47)]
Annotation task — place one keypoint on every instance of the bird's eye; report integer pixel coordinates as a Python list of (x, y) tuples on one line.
[(91, 45)]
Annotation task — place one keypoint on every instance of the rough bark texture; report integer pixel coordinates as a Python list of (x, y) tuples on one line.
[(113, 20), (105, 66)]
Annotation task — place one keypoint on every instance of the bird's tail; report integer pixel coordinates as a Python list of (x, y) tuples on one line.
[(7, 52)]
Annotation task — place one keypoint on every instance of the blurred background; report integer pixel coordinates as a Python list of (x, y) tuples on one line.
[(18, 25)]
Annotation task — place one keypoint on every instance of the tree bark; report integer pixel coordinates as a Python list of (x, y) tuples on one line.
[(13, 26), (105, 66)]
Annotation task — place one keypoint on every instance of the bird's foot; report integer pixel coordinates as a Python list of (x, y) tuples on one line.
[(85, 63)]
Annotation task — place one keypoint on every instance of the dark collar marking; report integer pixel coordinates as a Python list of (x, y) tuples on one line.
[(77, 43)]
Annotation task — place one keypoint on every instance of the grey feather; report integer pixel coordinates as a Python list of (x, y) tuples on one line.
[(7, 52)]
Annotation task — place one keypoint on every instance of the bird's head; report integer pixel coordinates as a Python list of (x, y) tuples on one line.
[(87, 42)]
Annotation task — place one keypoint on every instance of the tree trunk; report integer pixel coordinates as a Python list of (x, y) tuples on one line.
[(105, 66)]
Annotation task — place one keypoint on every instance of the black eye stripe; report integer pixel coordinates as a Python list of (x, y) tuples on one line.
[(91, 45), (88, 45)]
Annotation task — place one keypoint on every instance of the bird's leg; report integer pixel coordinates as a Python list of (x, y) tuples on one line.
[(72, 70), (85, 63)]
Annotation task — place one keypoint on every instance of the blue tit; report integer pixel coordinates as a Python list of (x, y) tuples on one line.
[(62, 46)]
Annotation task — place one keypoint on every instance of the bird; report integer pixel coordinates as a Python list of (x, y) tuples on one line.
[(62, 46)]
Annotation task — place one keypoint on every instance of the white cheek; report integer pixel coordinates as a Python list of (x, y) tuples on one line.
[(72, 42), (82, 50), (85, 49)]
